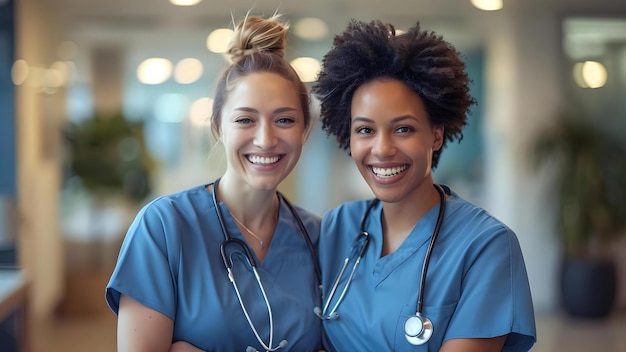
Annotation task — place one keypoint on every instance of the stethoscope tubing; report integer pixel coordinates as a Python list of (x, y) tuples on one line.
[(333, 314), (420, 301), (431, 245), (228, 264)]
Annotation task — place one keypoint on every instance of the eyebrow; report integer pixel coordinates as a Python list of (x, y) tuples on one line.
[(394, 120), (277, 111)]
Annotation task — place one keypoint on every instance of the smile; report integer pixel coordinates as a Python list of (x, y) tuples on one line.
[(388, 172), (263, 160)]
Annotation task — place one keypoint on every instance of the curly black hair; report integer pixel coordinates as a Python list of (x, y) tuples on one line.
[(421, 59)]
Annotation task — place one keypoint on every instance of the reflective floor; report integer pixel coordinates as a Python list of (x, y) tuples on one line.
[(556, 334)]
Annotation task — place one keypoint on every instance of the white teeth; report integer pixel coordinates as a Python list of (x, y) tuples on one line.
[(388, 172), (255, 159)]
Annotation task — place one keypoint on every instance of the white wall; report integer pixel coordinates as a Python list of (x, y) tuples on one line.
[(38, 117), (523, 92)]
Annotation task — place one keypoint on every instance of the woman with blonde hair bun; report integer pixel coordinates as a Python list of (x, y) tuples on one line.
[(230, 265)]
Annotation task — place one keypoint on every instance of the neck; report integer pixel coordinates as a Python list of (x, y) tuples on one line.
[(400, 218), (251, 206), (254, 211)]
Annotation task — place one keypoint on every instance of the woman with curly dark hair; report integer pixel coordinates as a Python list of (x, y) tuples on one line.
[(418, 268)]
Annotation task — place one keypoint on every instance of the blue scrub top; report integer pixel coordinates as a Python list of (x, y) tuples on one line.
[(476, 286), (170, 261)]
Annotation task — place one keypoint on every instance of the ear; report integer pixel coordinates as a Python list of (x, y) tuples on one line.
[(438, 135)]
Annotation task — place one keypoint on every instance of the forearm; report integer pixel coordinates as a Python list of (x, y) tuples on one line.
[(474, 345)]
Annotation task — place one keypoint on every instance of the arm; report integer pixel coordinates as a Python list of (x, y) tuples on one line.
[(182, 346), (474, 345), (141, 329)]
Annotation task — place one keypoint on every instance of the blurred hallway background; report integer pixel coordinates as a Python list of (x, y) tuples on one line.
[(140, 75)]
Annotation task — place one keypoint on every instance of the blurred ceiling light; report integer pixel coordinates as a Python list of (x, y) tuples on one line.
[(19, 72), (200, 112), (307, 68), (185, 2), (218, 40), (67, 50), (66, 69), (154, 71), (310, 28), (171, 107), (188, 71), (35, 77), (488, 5), (590, 74), (577, 72), (52, 78)]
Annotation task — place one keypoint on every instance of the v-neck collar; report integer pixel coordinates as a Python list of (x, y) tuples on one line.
[(418, 238)]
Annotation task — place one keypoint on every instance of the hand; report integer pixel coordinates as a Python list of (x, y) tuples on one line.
[(182, 346)]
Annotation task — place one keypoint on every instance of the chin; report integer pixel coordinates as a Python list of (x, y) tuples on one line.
[(391, 194), (266, 183)]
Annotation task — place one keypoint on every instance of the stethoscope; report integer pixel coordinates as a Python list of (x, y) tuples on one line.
[(417, 328), (228, 263)]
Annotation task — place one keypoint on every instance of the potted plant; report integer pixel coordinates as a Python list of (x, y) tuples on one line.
[(109, 156), (590, 165)]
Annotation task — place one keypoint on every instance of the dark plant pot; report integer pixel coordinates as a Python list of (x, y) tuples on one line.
[(588, 287)]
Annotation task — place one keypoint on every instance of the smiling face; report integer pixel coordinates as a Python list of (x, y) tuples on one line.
[(392, 140), (262, 129)]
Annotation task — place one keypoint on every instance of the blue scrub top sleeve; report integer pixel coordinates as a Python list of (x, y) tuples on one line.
[(143, 270), (495, 299)]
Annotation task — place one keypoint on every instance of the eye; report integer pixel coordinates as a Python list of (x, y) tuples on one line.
[(244, 120), (363, 130), (285, 120), (404, 129)]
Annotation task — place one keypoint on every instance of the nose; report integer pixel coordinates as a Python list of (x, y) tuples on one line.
[(265, 136), (383, 146)]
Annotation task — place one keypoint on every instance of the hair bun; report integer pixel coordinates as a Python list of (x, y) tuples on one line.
[(254, 35)]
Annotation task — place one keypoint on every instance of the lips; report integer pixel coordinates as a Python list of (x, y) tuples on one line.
[(388, 172)]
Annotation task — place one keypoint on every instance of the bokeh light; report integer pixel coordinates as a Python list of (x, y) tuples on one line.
[(488, 5), (154, 71), (310, 28), (307, 68), (19, 72), (589, 74), (200, 112), (188, 71), (218, 40), (185, 2)]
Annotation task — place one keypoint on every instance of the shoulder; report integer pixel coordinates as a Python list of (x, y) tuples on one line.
[(310, 221), (162, 216), (471, 214), (477, 226), (307, 216), (177, 203), (345, 217), (476, 223), (347, 210)]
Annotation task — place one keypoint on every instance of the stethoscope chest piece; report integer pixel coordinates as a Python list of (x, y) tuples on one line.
[(418, 329)]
